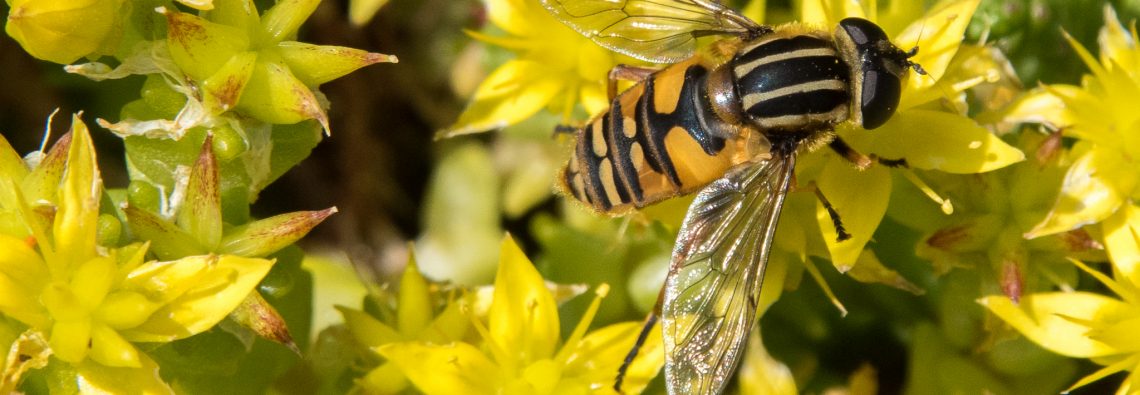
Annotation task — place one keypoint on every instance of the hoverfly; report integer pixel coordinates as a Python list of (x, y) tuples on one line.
[(727, 122)]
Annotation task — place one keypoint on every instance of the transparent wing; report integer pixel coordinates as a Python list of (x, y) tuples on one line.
[(717, 269), (659, 31)]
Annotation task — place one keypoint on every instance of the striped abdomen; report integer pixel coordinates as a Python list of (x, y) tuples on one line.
[(686, 125), (792, 82), (659, 139)]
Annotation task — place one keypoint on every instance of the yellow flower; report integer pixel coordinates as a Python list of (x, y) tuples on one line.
[(923, 132), (1099, 187), (555, 67), (235, 58), (64, 31), (1101, 115), (760, 373), (415, 320), (993, 211), (89, 302), (521, 353), (1085, 324)]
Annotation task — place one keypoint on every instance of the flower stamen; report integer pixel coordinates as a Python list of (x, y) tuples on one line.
[(580, 330), (944, 203)]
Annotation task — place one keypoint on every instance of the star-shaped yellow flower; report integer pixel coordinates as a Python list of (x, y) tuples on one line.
[(1085, 324), (521, 351), (88, 303), (1100, 114), (415, 319), (556, 68)]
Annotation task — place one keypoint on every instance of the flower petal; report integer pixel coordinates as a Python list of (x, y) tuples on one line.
[(937, 37), (199, 291), (266, 236), (1122, 242), (201, 212), (94, 378), (520, 17), (222, 90), (935, 140), (1121, 335), (367, 330), (21, 263), (11, 165), (318, 64), (125, 309), (860, 198), (273, 94), (1116, 42), (77, 220), (869, 269), (1093, 189), (414, 311), (513, 92), (70, 339), (829, 13), (1054, 320), (167, 241), (1040, 106), (283, 19), (598, 356), (386, 379), (108, 348), (762, 374), (200, 47), (457, 368), (62, 32), (44, 180), (256, 314), (523, 318), (1105, 372), (92, 280), (449, 325)]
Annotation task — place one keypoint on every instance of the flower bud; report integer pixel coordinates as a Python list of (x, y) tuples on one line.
[(61, 31)]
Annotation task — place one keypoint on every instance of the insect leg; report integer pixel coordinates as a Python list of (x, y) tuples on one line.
[(840, 147), (860, 160), (650, 323), (624, 72), (565, 129), (841, 233)]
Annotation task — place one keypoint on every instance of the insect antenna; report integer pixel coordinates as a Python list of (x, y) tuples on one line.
[(917, 67), (914, 51)]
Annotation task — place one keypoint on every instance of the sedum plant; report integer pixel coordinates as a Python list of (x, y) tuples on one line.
[(1000, 257), (118, 290)]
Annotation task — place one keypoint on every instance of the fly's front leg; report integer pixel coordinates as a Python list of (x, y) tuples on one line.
[(840, 231), (624, 72), (860, 160)]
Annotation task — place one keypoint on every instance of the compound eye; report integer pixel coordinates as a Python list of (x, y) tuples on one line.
[(863, 33), (880, 97)]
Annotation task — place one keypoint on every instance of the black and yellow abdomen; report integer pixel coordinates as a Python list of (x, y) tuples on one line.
[(686, 125), (659, 139)]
